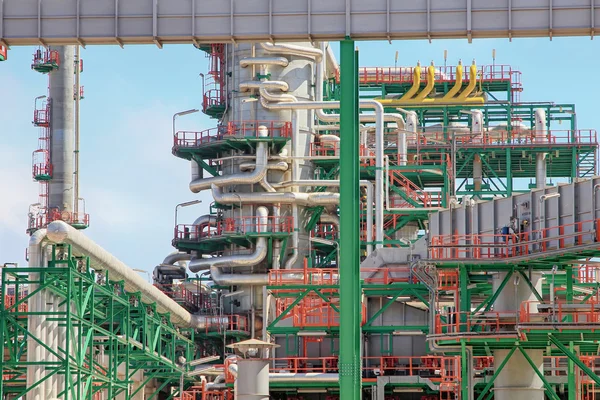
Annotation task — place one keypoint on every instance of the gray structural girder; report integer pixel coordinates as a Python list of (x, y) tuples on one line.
[(56, 22)]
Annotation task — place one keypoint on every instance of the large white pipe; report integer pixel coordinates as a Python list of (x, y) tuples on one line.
[(36, 303), (101, 260), (271, 85), (303, 199), (251, 61), (238, 260), (244, 178), (326, 182), (224, 279), (295, 50), (379, 151)]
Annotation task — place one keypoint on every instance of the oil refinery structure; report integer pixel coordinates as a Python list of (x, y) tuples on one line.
[(410, 232)]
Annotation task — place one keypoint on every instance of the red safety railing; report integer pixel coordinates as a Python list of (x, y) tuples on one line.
[(41, 116), (233, 226), (569, 315), (227, 323), (587, 273), (420, 196), (310, 276), (486, 246), (44, 217), (465, 322), (45, 57), (396, 75), (232, 130), (182, 295), (41, 163), (501, 137), (213, 98), (325, 231)]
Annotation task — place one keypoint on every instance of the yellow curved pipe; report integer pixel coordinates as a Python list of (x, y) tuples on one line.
[(472, 83), (430, 84), (458, 84), (416, 84)]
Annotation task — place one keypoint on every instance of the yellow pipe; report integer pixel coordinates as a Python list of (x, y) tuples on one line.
[(458, 84), (472, 83), (430, 84), (416, 83)]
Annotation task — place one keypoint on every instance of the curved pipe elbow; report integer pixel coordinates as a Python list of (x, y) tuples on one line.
[(250, 61), (271, 85), (294, 50)]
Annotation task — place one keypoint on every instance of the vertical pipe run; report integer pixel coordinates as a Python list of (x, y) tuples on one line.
[(350, 332), (62, 131)]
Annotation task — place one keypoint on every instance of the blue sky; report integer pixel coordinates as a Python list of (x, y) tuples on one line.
[(129, 178)]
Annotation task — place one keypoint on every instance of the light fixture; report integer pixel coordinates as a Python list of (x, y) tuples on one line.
[(408, 333), (186, 204), (312, 333), (400, 299)]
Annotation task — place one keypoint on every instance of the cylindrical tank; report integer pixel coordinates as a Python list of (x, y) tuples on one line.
[(62, 126), (517, 380), (253, 380)]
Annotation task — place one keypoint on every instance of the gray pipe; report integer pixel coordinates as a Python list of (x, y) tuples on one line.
[(173, 258), (305, 199), (295, 239), (223, 279), (260, 171), (101, 260)]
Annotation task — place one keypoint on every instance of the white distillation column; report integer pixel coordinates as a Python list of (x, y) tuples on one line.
[(247, 179), (517, 380), (541, 131)]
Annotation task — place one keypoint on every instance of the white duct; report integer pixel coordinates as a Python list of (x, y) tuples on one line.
[(251, 61), (101, 260), (411, 125), (260, 171), (223, 279), (238, 260), (272, 166), (304, 199)]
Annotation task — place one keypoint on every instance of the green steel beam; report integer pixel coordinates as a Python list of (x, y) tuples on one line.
[(573, 357), (496, 374), (350, 308), (531, 287), (572, 388), (549, 390)]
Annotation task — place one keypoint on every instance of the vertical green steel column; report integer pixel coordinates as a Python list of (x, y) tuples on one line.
[(350, 309), (572, 389), (509, 174), (464, 298)]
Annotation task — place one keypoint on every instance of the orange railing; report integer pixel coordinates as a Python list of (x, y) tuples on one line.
[(485, 246), (568, 313), (325, 231), (41, 117), (312, 312), (185, 296), (227, 323), (391, 75), (44, 218), (587, 273), (231, 226), (504, 138), (45, 57), (231, 130), (330, 276), (413, 191), (488, 322), (213, 98)]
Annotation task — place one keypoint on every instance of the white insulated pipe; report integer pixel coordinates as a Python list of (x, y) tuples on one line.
[(238, 260), (101, 260), (248, 178), (253, 61), (292, 49), (541, 131), (304, 199)]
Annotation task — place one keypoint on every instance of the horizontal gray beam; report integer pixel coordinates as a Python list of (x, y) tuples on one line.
[(53, 22)]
